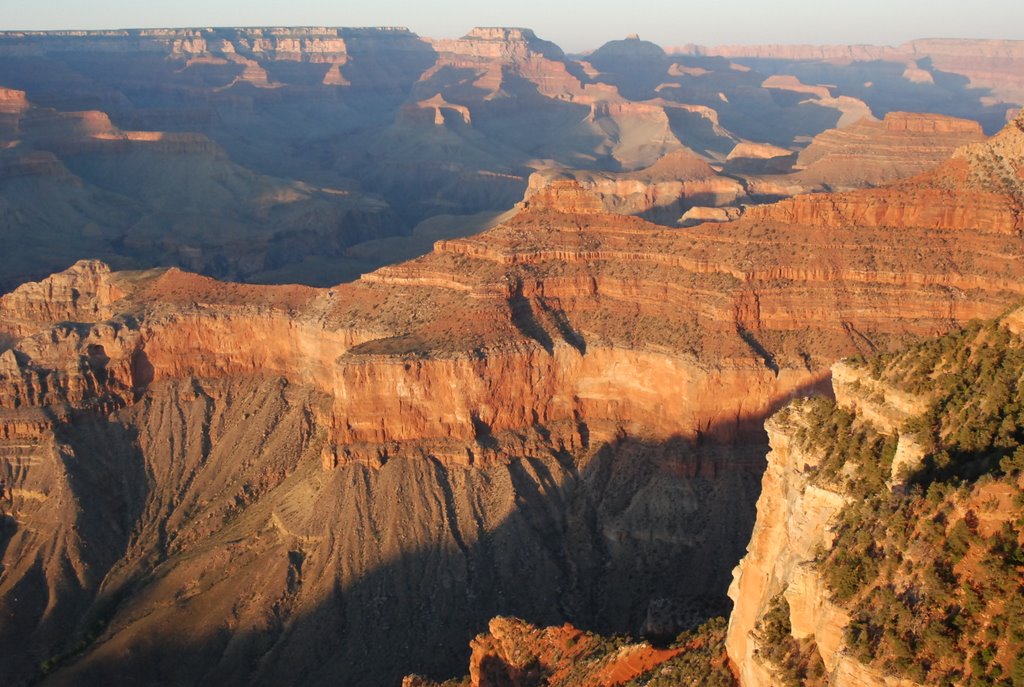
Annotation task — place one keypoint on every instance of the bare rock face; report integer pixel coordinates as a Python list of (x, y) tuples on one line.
[(871, 153), (77, 184), (267, 154), (660, 192), (12, 101), (979, 187), (559, 418), (987, 63), (759, 158), (512, 653), (794, 590), (795, 522), (82, 293), (698, 214), (996, 64), (793, 519)]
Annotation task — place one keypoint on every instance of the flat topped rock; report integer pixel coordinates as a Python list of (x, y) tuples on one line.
[(501, 33), (930, 123), (758, 151)]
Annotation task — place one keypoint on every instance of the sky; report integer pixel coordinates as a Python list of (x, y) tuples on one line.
[(575, 26)]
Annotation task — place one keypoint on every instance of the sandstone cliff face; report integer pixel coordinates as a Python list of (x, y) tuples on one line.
[(792, 522), (902, 145), (512, 653), (662, 192), (979, 187), (925, 208), (865, 499), (794, 518), (264, 154), (559, 418)]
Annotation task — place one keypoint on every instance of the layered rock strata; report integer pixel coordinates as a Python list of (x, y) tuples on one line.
[(661, 192), (863, 502), (559, 418), (873, 152), (994, 64)]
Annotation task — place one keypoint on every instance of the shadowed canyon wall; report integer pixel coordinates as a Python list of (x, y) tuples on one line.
[(317, 154), (559, 418)]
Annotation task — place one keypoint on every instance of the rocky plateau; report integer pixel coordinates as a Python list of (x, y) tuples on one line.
[(550, 302), (316, 154), (558, 419)]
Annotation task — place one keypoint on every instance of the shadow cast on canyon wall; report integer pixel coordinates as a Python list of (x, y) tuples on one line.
[(883, 86), (91, 490), (593, 543)]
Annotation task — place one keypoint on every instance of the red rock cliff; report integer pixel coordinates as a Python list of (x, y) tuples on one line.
[(473, 407)]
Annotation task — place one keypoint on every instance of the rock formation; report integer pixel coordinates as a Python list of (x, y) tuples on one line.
[(922, 598), (267, 154), (76, 184), (753, 158), (296, 481), (559, 418), (991, 69), (515, 654), (661, 192), (873, 152), (793, 519)]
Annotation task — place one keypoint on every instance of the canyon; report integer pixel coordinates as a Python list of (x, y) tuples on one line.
[(317, 154), (558, 419), (873, 562), (517, 400)]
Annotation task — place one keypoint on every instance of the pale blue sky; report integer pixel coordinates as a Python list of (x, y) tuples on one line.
[(573, 25)]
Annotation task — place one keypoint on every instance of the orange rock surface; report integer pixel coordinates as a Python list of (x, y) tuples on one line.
[(513, 653), (331, 472), (870, 152), (539, 312)]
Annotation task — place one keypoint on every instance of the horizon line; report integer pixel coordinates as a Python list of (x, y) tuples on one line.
[(407, 29)]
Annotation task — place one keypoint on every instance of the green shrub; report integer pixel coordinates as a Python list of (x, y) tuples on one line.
[(894, 563)]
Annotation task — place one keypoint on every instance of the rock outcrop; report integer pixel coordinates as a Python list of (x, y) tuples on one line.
[(661, 192), (979, 187), (993, 64), (871, 152), (796, 517), (559, 418), (755, 158), (887, 467), (513, 653), (793, 523), (509, 390), (77, 184), (266, 154)]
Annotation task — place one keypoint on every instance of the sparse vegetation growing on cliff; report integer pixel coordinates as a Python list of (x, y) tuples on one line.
[(797, 661), (855, 456), (517, 653), (703, 662), (932, 576)]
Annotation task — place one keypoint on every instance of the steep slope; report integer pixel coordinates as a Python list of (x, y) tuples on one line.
[(887, 547), (734, 101), (980, 187), (264, 154), (660, 193), (871, 153), (570, 118), (559, 418), (76, 185), (514, 654), (976, 79)]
